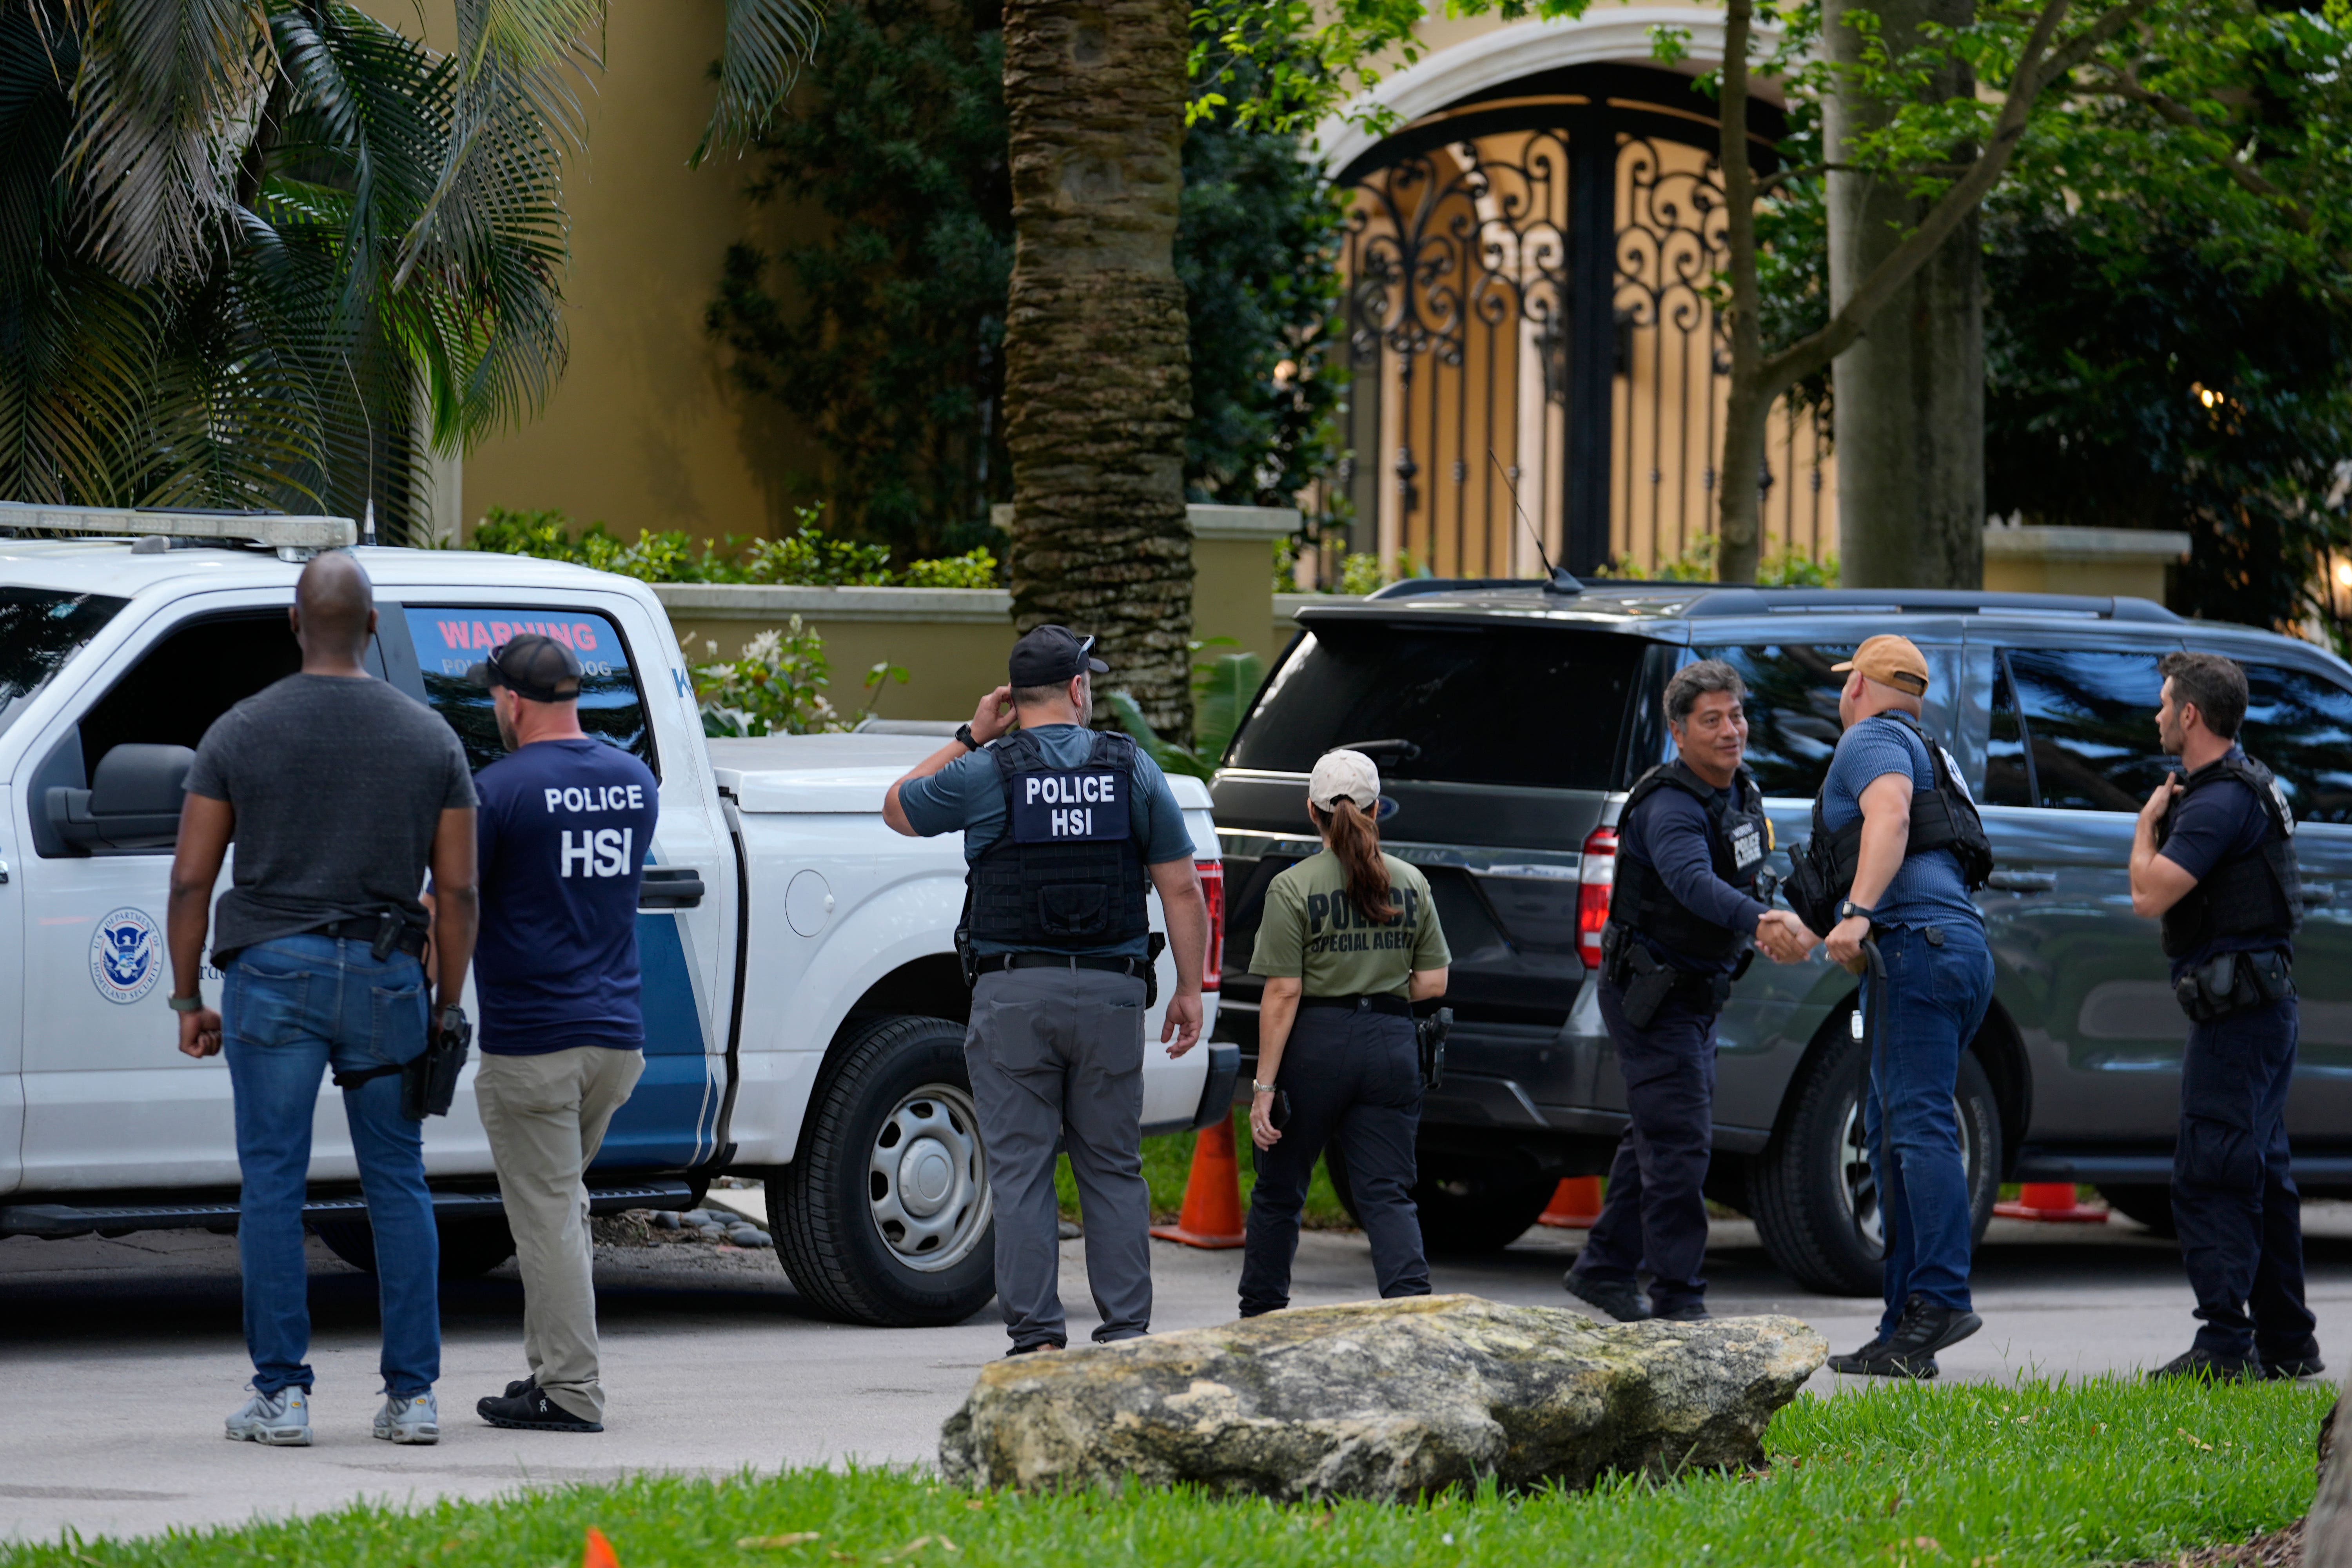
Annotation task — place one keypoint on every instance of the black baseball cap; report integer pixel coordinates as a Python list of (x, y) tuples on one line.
[(532, 666), (1048, 656)]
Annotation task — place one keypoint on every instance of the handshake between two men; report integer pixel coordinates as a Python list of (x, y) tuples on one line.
[(1781, 937)]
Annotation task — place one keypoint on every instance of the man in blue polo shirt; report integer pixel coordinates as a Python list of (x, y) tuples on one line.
[(1063, 829), (564, 825)]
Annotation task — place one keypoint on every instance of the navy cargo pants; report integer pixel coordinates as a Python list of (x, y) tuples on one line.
[(1655, 1217), (2233, 1199)]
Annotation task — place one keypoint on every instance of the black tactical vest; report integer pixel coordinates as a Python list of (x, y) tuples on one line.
[(1738, 836), (1068, 872), (2259, 895), (1945, 818)]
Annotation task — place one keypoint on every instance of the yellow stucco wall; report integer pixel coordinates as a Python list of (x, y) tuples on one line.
[(644, 431)]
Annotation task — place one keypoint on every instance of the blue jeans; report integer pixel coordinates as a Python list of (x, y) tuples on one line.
[(1937, 994), (292, 1007)]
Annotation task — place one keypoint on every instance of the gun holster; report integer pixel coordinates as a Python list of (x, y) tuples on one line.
[(1643, 983), (428, 1080), (2234, 981), (1431, 1025)]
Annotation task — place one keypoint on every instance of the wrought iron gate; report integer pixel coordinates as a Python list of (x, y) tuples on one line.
[(1530, 339)]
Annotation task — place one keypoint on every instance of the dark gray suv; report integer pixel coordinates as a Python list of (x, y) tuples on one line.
[(1509, 720)]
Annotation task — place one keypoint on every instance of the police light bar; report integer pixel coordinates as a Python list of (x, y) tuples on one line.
[(271, 530)]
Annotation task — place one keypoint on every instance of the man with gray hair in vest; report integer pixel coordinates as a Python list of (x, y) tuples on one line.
[(1065, 829)]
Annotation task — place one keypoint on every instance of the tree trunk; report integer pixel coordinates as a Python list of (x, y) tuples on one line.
[(1910, 393), (2328, 1532), (1097, 378), (1739, 509)]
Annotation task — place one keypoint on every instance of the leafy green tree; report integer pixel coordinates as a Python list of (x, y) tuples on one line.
[(243, 245), (889, 341)]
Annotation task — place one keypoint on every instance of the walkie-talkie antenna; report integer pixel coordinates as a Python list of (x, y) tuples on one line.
[(1512, 485)]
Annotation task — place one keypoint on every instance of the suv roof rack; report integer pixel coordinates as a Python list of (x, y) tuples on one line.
[(291, 536), (1747, 601)]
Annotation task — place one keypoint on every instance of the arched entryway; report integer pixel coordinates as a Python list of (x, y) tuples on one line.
[(1530, 335)]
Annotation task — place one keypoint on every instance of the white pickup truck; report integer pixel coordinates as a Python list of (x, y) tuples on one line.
[(803, 1011)]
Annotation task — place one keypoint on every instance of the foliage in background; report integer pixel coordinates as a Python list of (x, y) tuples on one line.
[(804, 558), (883, 334), (1788, 568), (777, 686), (1222, 691), (1168, 1167)]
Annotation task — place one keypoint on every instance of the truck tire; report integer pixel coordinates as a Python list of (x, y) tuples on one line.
[(1469, 1206), (469, 1248), (1813, 1199), (2148, 1203), (885, 1218)]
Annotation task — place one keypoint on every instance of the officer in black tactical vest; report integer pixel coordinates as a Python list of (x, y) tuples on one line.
[(1690, 840), (1065, 829), (2214, 857)]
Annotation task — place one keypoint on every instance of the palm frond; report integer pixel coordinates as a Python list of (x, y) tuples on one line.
[(766, 42)]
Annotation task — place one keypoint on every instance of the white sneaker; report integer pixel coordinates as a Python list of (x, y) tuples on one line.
[(281, 1419), (412, 1420)]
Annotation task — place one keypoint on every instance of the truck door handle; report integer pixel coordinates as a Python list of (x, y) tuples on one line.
[(2022, 881), (671, 888)]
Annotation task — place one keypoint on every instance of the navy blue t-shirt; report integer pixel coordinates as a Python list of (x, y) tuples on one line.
[(2217, 822), (563, 828), (1927, 888), (1668, 831)]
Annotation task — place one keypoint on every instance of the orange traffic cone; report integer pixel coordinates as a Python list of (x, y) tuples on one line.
[(1212, 1194), (1575, 1205), (2052, 1201), (600, 1553)]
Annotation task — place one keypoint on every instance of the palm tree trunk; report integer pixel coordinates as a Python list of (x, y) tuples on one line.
[(1096, 376)]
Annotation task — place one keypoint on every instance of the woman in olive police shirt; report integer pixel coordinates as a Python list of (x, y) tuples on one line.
[(1348, 940)]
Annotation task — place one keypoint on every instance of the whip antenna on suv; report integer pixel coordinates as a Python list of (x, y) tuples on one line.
[(1555, 581)]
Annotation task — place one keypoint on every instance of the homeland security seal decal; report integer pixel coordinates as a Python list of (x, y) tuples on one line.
[(125, 958)]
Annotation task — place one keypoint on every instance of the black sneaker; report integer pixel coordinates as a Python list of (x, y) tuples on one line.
[(2195, 1363), (1621, 1299), (532, 1411), (1856, 1362), (1691, 1309), (1876, 1360), (1034, 1349), (2293, 1367), (517, 1389), (1925, 1328)]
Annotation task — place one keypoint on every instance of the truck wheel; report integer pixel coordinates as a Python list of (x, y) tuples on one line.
[(1815, 1200), (469, 1248), (886, 1215), (1468, 1207), (2147, 1203)]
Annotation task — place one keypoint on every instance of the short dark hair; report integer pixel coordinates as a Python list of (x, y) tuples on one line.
[(2215, 684), (1030, 696), (1692, 681)]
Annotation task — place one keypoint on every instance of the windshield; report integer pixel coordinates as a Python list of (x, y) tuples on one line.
[(1485, 705), (40, 629)]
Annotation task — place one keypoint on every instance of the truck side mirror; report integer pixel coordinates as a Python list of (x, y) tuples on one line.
[(132, 803)]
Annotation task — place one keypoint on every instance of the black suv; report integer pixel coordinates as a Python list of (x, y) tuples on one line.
[(1509, 719)]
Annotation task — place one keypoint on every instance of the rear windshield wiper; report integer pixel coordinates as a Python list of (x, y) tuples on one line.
[(1403, 751)]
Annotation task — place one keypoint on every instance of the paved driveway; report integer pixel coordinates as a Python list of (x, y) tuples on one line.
[(122, 1356)]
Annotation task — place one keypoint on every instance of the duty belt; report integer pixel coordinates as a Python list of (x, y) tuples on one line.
[(375, 929), (1395, 1007), (989, 962)]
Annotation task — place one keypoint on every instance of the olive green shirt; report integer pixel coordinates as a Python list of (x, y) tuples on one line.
[(1312, 931)]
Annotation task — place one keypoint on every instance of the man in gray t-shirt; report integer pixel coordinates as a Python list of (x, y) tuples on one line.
[(339, 794)]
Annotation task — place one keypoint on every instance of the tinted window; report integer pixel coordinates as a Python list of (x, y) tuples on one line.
[(2008, 780), (2090, 719), (39, 631), (451, 642), (190, 678), (2300, 727), (1492, 705)]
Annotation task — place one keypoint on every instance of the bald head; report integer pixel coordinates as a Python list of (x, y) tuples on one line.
[(334, 613)]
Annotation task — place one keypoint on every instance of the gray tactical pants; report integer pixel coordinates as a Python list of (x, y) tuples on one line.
[(1058, 1053)]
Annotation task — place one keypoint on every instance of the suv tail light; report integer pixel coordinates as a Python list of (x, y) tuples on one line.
[(1212, 890), (1598, 880)]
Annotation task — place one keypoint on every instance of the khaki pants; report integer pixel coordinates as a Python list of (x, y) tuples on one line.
[(546, 1115)]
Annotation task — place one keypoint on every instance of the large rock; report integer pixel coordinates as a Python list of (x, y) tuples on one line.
[(1384, 1399)]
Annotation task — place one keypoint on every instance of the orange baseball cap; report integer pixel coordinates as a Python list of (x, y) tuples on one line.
[(1891, 661)]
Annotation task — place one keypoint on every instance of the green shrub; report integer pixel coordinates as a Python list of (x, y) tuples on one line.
[(777, 687), (807, 557)]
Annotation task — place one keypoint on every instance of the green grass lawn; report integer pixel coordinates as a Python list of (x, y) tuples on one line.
[(1969, 1476), (1168, 1161)]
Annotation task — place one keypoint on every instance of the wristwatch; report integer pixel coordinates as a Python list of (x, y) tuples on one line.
[(195, 1004), (963, 738), (1848, 909), (1257, 1087)]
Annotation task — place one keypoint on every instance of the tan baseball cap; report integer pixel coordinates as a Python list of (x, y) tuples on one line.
[(1348, 774), (1891, 661)]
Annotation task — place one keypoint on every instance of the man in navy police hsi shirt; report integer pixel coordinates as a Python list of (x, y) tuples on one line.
[(563, 827)]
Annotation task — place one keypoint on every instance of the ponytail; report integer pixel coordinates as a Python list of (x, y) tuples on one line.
[(1356, 840)]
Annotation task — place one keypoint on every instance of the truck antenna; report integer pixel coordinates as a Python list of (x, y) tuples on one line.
[(1555, 580)]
